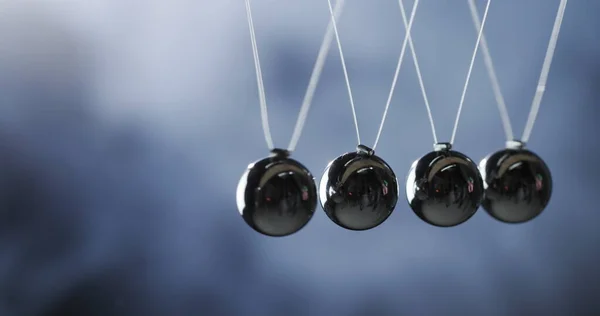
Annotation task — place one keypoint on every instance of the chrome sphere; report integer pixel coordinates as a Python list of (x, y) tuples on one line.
[(517, 182), (444, 187), (277, 196), (358, 190)]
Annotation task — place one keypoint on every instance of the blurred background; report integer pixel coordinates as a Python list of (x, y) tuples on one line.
[(126, 124)]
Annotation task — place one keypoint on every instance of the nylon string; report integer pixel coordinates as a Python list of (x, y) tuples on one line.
[(264, 115), (312, 85), (398, 66), (541, 87), (489, 65), (339, 45), (464, 92), (418, 71), (314, 78), (394, 80), (420, 78)]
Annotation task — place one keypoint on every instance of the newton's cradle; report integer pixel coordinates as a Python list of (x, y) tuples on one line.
[(277, 195)]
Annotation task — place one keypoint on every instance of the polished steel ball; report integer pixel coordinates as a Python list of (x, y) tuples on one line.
[(358, 190), (444, 187), (517, 183), (277, 196)]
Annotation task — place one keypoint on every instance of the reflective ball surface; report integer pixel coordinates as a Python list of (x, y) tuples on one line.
[(277, 196), (518, 185), (358, 190), (444, 187)]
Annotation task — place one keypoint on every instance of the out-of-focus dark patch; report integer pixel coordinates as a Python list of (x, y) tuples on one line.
[(99, 296), (373, 304)]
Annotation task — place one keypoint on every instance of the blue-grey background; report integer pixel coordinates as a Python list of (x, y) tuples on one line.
[(125, 126)]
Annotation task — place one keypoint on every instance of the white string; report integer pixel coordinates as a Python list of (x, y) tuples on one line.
[(394, 80), (489, 65), (420, 77), (398, 66), (541, 87), (339, 45), (264, 116), (464, 93), (314, 78), (418, 71), (312, 85)]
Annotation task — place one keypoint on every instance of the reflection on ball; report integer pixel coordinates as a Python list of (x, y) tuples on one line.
[(358, 190), (277, 196), (517, 182), (444, 187)]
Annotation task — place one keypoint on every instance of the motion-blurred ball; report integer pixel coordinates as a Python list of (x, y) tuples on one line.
[(277, 196), (517, 183), (358, 190), (444, 187)]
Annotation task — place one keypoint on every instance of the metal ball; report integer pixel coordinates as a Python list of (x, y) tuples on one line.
[(517, 183), (358, 190), (277, 196), (444, 187)]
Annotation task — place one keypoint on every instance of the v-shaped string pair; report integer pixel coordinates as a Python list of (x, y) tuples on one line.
[(541, 86), (312, 84), (420, 77), (394, 80)]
